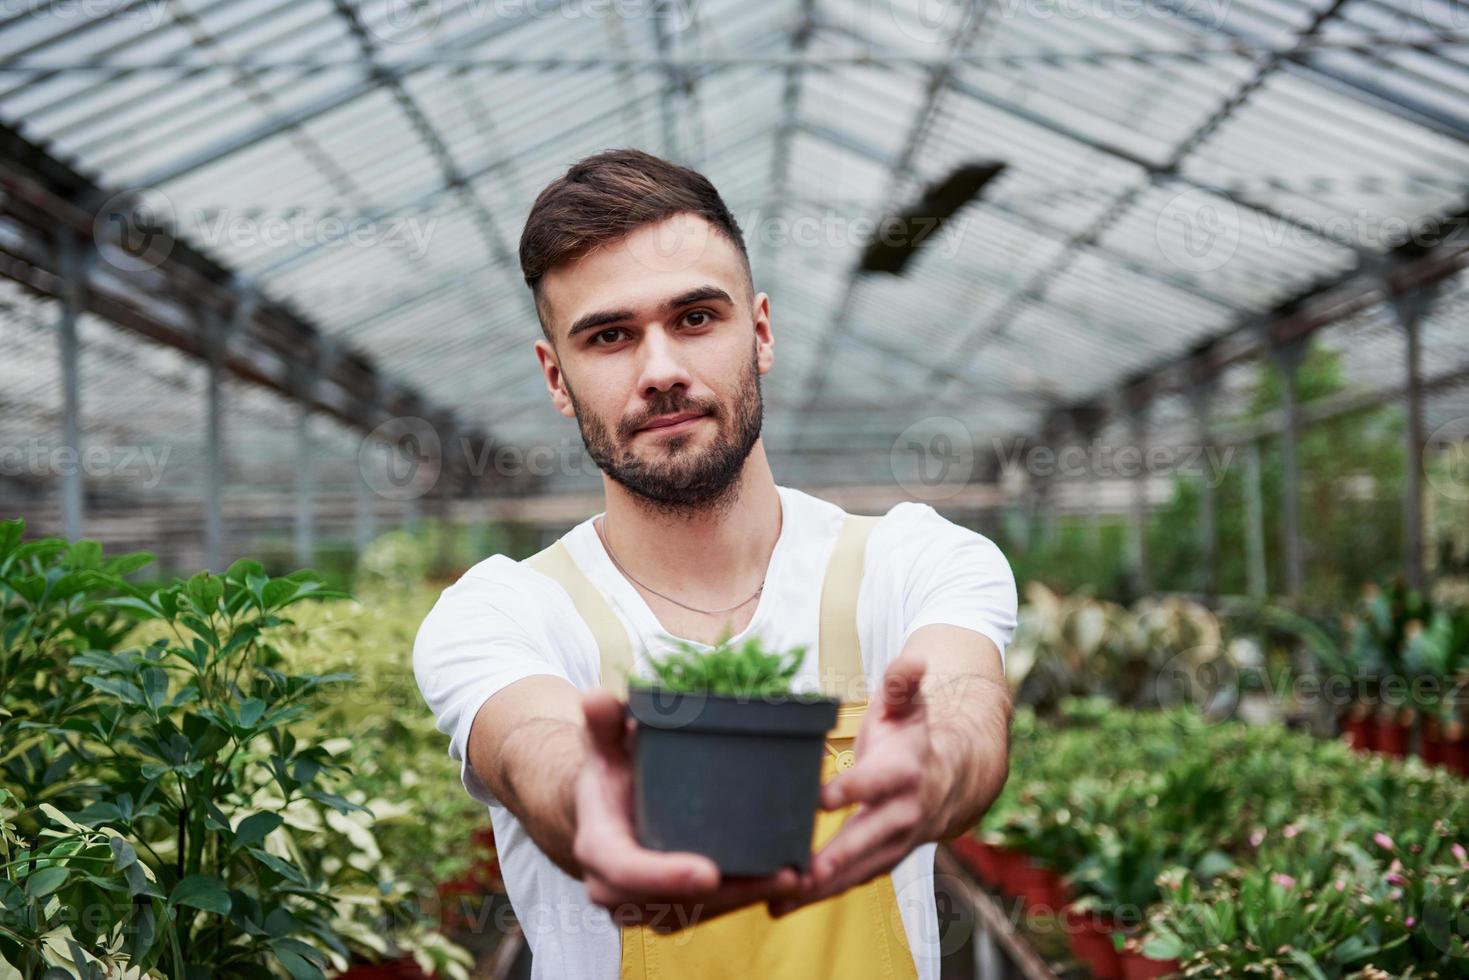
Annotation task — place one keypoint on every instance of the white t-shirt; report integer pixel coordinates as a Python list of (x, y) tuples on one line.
[(503, 621)]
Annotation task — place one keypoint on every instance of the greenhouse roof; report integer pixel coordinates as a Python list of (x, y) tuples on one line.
[(1176, 176)]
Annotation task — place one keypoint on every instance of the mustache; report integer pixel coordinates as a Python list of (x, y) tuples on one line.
[(670, 410)]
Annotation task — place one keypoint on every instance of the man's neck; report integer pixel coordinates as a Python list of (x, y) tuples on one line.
[(703, 558)]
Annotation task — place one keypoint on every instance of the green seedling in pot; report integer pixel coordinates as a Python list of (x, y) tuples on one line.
[(746, 670)]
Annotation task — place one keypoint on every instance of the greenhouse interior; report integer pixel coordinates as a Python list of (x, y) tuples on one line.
[(1162, 303)]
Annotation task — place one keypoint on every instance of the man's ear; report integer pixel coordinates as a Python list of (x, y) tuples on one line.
[(555, 380), (764, 336)]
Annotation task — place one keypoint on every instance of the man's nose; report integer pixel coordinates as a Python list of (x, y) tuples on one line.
[(662, 363)]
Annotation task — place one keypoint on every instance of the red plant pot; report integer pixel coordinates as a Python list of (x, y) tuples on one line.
[(1009, 865), (1041, 888), (1358, 730), (972, 853), (1432, 748), (1391, 736), (1091, 942), (1136, 966), (1456, 748), (400, 969)]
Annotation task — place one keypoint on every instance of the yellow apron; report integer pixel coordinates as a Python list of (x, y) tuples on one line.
[(857, 935)]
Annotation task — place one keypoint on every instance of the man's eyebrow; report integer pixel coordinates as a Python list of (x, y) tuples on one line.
[(591, 321)]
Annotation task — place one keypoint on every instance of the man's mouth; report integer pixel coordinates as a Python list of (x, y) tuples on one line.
[(668, 422)]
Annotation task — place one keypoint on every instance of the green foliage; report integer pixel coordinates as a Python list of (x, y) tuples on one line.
[(376, 723), (1351, 488), (1247, 850), (163, 810), (744, 671), (1441, 652), (1077, 558)]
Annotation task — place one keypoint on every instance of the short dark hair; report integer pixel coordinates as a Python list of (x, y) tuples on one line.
[(607, 196)]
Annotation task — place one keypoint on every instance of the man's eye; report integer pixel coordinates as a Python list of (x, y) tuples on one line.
[(613, 330), (699, 313)]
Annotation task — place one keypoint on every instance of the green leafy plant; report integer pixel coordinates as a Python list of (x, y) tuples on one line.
[(164, 807), (747, 670), (1440, 652)]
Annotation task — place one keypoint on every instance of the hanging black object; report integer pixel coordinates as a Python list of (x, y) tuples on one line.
[(898, 236)]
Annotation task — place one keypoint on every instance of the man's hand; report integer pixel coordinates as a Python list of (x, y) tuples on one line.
[(930, 759), (666, 890)]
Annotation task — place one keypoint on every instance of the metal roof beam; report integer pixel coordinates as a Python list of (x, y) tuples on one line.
[(1361, 90), (242, 141), (938, 83)]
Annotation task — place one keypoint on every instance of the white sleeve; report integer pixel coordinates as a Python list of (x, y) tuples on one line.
[(949, 574), (476, 641)]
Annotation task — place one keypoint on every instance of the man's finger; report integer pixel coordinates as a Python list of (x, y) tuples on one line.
[(606, 726), (631, 872), (870, 783), (871, 865), (678, 910), (733, 894), (900, 686), (866, 831)]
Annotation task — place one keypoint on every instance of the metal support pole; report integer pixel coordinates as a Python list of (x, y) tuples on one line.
[(1201, 396), (305, 532), (1049, 520), (217, 335), (1254, 522), (1085, 425), (73, 274), (1138, 525), (364, 520), (213, 448), (1410, 310), (1287, 359)]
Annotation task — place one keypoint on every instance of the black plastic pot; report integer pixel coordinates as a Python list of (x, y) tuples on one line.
[(735, 779)]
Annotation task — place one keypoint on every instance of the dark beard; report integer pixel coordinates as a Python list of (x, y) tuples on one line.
[(678, 484)]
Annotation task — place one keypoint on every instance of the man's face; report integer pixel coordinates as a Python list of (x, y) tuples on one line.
[(657, 324)]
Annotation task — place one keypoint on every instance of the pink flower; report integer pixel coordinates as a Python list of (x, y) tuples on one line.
[(1284, 881), (1410, 922), (1291, 830), (1341, 886), (1257, 837), (1383, 841), (1460, 853), (1395, 894), (1393, 878)]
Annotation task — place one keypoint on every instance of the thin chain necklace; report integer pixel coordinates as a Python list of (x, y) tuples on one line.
[(607, 540)]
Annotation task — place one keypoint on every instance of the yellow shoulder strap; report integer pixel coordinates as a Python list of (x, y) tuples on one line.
[(613, 645), (842, 674)]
